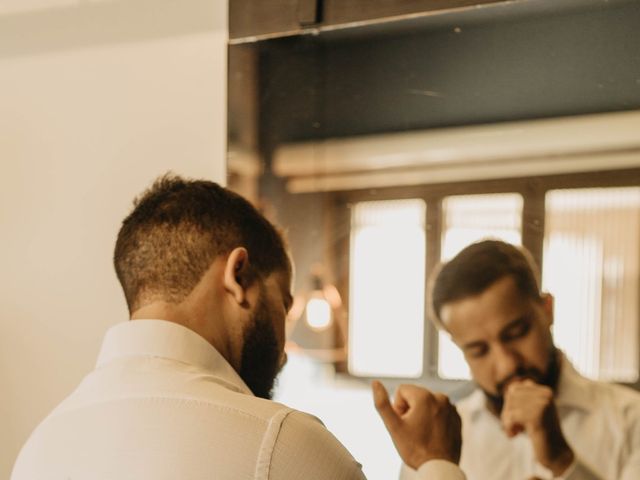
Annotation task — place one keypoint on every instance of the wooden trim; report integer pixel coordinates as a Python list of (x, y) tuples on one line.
[(256, 20), (352, 11), (260, 20)]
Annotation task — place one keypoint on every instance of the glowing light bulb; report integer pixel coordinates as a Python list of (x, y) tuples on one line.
[(318, 313)]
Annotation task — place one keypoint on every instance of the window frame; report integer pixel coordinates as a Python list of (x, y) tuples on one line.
[(533, 191)]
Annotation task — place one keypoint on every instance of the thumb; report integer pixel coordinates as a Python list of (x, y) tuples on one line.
[(383, 406)]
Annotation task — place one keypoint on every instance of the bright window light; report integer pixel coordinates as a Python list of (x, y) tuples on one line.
[(387, 283), (468, 219), (471, 218), (591, 266)]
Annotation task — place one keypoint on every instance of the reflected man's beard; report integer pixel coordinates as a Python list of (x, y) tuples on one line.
[(548, 378), (260, 361)]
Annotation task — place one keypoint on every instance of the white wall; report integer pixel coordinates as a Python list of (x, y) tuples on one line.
[(96, 99)]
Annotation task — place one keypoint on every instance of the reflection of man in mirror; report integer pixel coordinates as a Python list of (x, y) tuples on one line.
[(533, 415), (176, 390)]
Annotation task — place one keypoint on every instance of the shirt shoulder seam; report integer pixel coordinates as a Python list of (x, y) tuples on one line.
[(265, 455)]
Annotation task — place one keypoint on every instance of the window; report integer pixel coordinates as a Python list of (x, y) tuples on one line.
[(582, 229), (387, 285), (591, 266), (468, 219)]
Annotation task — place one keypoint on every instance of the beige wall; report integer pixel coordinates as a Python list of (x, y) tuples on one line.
[(96, 99)]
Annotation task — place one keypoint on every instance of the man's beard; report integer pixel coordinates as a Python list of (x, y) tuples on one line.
[(548, 378), (260, 362)]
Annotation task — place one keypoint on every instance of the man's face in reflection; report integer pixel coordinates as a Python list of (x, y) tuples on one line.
[(263, 349), (505, 336)]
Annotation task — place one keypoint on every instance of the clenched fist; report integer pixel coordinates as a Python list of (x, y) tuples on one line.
[(529, 407), (423, 425)]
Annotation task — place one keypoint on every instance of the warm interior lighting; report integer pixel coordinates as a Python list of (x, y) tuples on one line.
[(318, 312), (323, 300), (315, 322)]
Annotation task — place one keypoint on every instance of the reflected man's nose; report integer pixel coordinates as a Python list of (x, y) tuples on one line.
[(506, 362)]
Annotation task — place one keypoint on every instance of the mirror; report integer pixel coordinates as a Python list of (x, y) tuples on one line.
[(522, 109)]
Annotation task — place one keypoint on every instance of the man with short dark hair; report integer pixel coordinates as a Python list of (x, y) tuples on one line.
[(532, 415), (176, 391)]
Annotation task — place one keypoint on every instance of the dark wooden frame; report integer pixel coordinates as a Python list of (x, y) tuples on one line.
[(251, 20)]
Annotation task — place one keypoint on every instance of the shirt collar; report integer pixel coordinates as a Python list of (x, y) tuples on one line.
[(572, 391), (476, 403), (573, 388), (163, 339)]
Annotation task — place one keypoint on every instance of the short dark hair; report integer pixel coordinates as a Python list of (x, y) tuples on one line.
[(476, 268), (175, 231)]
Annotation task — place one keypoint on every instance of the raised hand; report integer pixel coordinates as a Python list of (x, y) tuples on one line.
[(423, 425), (529, 407)]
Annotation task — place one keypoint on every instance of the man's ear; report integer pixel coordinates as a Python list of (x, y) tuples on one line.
[(547, 306), (236, 274)]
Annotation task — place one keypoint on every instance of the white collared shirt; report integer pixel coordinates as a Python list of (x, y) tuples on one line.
[(600, 421), (162, 403)]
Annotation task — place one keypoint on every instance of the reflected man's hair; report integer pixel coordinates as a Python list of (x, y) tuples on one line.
[(175, 231), (476, 268)]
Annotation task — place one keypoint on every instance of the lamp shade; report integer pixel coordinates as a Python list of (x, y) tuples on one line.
[(316, 330)]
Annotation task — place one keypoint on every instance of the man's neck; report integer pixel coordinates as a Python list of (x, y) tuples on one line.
[(161, 310), (187, 317)]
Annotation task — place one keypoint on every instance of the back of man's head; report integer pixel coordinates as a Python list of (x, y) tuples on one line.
[(476, 268), (175, 231)]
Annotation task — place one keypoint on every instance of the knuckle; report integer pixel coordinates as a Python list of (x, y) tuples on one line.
[(445, 405), (547, 392), (407, 390)]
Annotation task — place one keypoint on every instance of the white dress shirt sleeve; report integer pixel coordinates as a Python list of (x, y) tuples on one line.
[(439, 470), (579, 470), (306, 449), (630, 470), (433, 470)]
